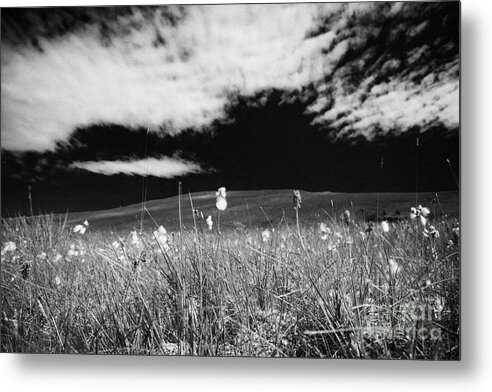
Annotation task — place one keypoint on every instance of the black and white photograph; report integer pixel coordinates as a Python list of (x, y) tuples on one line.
[(232, 180)]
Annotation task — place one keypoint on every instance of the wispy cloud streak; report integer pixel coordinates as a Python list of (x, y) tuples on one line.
[(163, 167), (173, 76)]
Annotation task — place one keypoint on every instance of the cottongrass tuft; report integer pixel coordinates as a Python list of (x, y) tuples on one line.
[(385, 226), (421, 213), (324, 230), (161, 237), (9, 247), (346, 217), (209, 222), (221, 202), (394, 268), (431, 233), (81, 228), (266, 235)]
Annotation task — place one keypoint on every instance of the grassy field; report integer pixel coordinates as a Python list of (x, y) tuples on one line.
[(333, 283), (265, 207)]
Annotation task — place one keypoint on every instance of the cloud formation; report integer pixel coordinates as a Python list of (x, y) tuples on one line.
[(170, 76), (162, 167)]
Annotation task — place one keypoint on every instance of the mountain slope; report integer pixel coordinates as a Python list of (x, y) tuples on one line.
[(264, 207)]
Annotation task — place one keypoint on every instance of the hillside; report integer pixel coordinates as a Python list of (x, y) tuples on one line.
[(259, 208)]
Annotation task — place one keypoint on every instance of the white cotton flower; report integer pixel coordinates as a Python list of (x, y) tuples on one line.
[(79, 229), (57, 280), (161, 236), (135, 239), (432, 232), (394, 268), (424, 210), (221, 202), (324, 230), (385, 226), (209, 222), (9, 247), (221, 192), (423, 220), (72, 252), (265, 235)]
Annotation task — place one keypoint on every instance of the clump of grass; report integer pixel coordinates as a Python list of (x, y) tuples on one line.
[(334, 290)]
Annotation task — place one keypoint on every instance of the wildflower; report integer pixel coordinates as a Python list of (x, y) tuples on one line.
[(9, 247), (297, 199), (432, 232), (72, 251), (209, 222), (265, 235), (394, 268), (42, 256), (58, 258), (450, 244), (81, 228), (428, 283), (332, 246), (420, 212), (346, 217), (424, 211), (221, 192), (385, 226), (57, 280), (456, 232), (135, 239), (423, 220), (161, 236), (324, 230), (221, 202)]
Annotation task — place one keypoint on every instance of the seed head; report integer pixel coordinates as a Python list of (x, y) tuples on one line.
[(346, 217), (296, 198), (385, 226), (209, 222), (221, 202)]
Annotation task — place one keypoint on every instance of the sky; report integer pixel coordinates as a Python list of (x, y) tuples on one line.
[(309, 95)]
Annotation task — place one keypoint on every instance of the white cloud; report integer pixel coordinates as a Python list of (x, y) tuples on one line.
[(163, 167), (395, 105), (77, 81)]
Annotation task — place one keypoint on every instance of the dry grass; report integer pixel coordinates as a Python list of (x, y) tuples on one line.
[(356, 294)]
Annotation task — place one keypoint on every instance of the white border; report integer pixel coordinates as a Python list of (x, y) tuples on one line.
[(87, 373)]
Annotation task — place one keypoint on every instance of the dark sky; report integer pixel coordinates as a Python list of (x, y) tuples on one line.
[(303, 96)]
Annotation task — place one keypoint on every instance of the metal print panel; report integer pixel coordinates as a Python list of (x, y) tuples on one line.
[(272, 180)]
